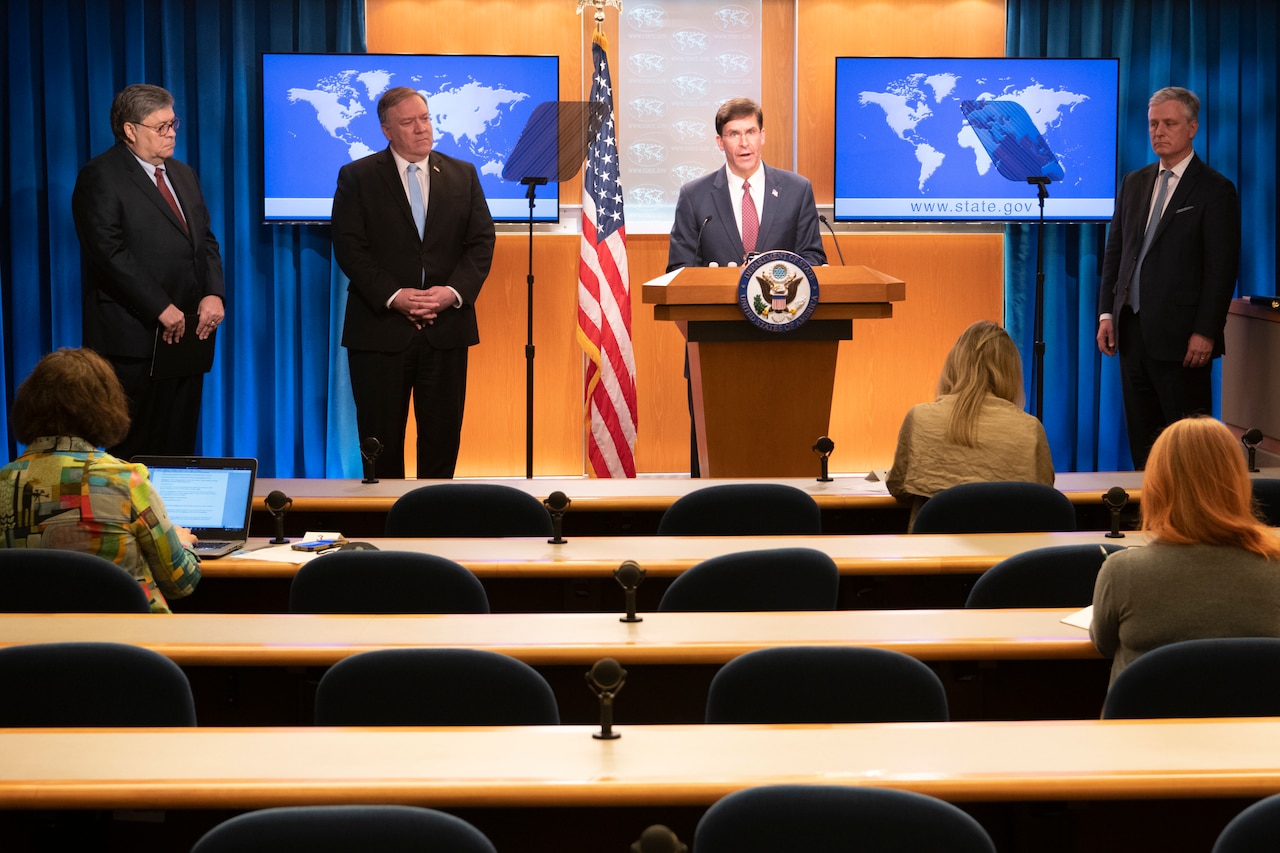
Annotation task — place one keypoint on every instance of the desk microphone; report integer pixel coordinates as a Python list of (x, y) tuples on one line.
[(278, 503), (834, 239), (823, 447), (659, 839), (1115, 500), (629, 576), (1251, 440), (697, 248), (605, 678), (556, 504), (370, 447)]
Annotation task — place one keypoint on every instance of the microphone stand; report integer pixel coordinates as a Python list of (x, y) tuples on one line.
[(532, 183), (1037, 359), (822, 217)]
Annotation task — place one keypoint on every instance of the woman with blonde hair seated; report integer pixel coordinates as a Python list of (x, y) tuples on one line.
[(976, 431), (1210, 568), (63, 492)]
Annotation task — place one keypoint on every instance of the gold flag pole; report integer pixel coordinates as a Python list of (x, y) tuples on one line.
[(599, 15)]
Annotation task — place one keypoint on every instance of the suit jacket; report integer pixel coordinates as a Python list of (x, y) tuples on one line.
[(1189, 274), (789, 221), (376, 243), (137, 257)]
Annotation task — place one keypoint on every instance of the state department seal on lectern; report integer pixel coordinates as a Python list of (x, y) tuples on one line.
[(778, 291)]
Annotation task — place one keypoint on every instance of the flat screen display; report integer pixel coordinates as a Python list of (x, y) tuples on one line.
[(320, 111), (922, 139)]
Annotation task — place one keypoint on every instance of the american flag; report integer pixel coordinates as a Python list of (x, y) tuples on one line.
[(604, 295)]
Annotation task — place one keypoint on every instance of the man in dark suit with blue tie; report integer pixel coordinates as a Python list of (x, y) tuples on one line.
[(150, 262), (1168, 275), (709, 219), (412, 231)]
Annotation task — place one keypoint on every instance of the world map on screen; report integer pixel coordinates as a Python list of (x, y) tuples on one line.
[(923, 111), (320, 112), (957, 138)]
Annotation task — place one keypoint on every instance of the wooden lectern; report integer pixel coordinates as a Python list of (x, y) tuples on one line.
[(761, 399)]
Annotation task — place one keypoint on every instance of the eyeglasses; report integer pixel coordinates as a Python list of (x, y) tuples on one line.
[(735, 135), (162, 129)]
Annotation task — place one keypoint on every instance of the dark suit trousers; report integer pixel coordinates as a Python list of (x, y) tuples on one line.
[(381, 384), (1156, 393), (164, 413)]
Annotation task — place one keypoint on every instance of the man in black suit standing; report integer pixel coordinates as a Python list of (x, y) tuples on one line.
[(1168, 275), (412, 231), (151, 265)]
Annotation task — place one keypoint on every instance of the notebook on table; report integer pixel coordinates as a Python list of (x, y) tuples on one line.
[(211, 495)]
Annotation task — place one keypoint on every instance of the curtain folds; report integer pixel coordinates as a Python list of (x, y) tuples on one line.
[(1223, 50), (278, 388)]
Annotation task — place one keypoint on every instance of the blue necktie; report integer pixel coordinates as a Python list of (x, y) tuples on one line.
[(415, 199), (1156, 212)]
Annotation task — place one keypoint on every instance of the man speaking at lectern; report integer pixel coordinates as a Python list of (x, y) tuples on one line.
[(746, 207)]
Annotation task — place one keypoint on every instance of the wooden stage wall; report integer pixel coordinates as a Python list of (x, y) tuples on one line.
[(952, 278)]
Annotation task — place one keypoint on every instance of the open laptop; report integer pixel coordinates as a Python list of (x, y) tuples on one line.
[(211, 495)]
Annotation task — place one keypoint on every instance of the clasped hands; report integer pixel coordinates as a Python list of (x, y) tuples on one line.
[(421, 307), (174, 323)]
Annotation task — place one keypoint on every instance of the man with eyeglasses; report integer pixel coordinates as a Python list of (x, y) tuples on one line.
[(774, 206), (152, 268)]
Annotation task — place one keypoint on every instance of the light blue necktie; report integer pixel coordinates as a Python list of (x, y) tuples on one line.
[(415, 199), (1156, 212)]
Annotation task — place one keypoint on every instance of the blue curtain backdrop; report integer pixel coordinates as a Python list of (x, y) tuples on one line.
[(1224, 51), (271, 393)]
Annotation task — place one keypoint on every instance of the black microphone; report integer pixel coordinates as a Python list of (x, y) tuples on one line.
[(834, 239), (1115, 499), (556, 504), (605, 678), (278, 503), (370, 447), (697, 248), (629, 576), (659, 839), (823, 447), (1251, 440)]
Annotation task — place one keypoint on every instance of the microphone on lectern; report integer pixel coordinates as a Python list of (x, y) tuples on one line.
[(834, 239), (278, 503), (629, 576), (605, 678), (1251, 440), (1115, 500), (823, 447), (370, 447), (556, 504), (697, 249)]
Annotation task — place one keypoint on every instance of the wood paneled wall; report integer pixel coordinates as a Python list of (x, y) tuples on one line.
[(952, 279)]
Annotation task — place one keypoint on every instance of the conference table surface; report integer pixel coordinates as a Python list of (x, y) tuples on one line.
[(566, 638), (648, 493), (668, 556), (565, 766)]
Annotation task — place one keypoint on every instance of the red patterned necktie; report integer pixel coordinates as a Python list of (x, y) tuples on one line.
[(168, 196), (750, 220)]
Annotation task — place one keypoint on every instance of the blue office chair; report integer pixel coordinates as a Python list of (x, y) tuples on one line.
[(836, 819), (385, 582), (1254, 830), (453, 510), (50, 580), (434, 687), (825, 684), (92, 684), (1267, 493), (1056, 576), (996, 508), (1220, 677), (739, 509), (773, 579), (341, 829)]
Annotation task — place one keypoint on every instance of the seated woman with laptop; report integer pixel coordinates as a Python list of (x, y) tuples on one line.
[(64, 492), (976, 431)]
